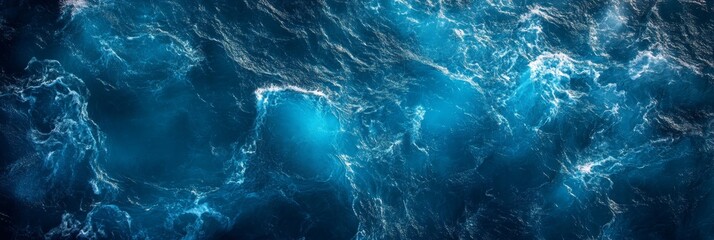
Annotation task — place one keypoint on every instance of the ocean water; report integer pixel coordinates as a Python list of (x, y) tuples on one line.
[(357, 119)]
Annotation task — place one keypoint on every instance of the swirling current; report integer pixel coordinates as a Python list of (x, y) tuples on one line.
[(357, 119)]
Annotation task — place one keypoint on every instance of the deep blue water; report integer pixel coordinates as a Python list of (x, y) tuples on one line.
[(351, 119)]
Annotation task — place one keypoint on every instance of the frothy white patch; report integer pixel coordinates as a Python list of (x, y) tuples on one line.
[(645, 62), (591, 167), (260, 92), (459, 33), (586, 168), (550, 73), (74, 6)]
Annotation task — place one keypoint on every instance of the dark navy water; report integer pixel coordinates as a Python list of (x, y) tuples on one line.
[(347, 119)]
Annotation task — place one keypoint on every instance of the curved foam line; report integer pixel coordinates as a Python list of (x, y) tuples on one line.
[(259, 93)]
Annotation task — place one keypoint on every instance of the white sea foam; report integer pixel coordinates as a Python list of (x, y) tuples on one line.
[(260, 92), (74, 6)]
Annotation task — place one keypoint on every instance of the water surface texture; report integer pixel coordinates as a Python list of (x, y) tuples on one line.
[(357, 119)]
